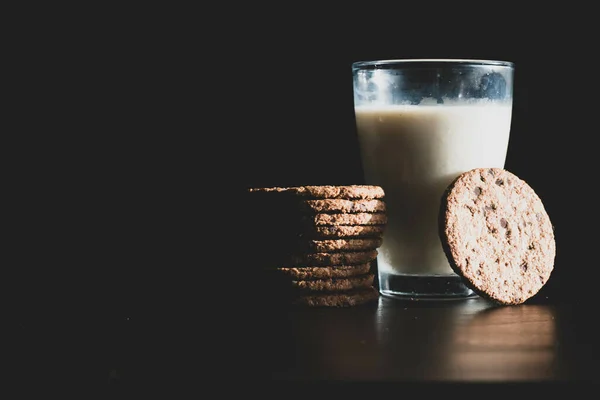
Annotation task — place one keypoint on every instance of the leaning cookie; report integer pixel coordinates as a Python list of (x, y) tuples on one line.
[(348, 298), (497, 235)]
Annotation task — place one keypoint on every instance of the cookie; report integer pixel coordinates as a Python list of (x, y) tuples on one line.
[(280, 252), (329, 259), (335, 284), (331, 245), (343, 231), (326, 191), (346, 219), (497, 235), (348, 298), (341, 206), (325, 272)]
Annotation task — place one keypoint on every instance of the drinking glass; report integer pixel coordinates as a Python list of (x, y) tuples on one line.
[(420, 123)]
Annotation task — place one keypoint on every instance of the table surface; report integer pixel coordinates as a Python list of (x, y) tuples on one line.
[(390, 340)]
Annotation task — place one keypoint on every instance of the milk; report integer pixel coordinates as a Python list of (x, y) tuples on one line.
[(414, 152)]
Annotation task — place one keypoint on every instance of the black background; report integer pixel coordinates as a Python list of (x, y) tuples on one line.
[(196, 113), (137, 128), (142, 127)]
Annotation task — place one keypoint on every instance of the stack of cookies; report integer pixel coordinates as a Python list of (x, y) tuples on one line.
[(315, 245)]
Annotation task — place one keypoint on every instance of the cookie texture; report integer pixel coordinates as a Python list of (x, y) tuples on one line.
[(335, 284), (348, 298), (343, 231), (497, 235), (342, 206), (329, 259), (331, 245), (313, 245), (326, 191), (347, 219), (325, 272)]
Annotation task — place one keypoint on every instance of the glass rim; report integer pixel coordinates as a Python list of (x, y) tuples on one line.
[(427, 62)]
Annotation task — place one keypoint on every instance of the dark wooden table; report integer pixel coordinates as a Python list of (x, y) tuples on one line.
[(460, 341)]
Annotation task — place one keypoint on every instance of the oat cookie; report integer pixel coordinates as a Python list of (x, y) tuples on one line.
[(330, 245), (343, 231), (336, 284), (341, 206), (325, 272), (329, 259), (347, 219), (348, 298), (326, 191), (497, 235)]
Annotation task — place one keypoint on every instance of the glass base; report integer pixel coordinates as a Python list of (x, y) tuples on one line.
[(424, 287)]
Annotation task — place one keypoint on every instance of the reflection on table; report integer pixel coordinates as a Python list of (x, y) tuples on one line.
[(392, 340)]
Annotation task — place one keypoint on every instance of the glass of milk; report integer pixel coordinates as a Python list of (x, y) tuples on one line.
[(420, 123)]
